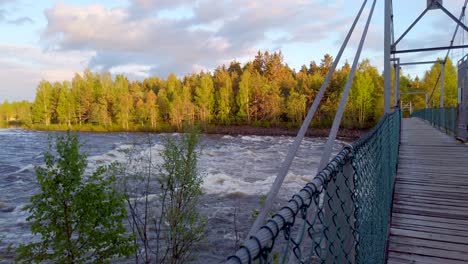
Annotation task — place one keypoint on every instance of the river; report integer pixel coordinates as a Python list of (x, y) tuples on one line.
[(238, 171)]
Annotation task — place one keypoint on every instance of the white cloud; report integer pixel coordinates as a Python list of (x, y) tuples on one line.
[(23, 66), (141, 71), (21, 21), (215, 32), (157, 37)]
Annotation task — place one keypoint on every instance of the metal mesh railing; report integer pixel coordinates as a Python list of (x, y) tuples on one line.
[(343, 215), (444, 118)]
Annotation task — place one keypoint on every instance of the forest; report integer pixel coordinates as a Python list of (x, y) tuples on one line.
[(263, 92)]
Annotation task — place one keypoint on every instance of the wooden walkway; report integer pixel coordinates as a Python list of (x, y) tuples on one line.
[(430, 206)]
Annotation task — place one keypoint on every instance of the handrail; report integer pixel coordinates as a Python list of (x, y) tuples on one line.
[(342, 215), (444, 118)]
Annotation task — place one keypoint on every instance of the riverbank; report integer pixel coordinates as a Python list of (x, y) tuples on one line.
[(343, 133)]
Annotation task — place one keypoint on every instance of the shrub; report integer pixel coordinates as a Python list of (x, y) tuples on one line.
[(76, 219), (166, 229)]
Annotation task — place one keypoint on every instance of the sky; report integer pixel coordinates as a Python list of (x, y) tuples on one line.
[(52, 40)]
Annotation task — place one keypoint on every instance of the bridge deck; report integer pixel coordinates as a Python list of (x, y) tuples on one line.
[(430, 206)]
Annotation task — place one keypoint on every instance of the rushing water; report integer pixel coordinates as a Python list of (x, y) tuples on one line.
[(237, 172)]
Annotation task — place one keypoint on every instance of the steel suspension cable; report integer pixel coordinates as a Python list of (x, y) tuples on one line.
[(336, 122), (300, 135), (339, 113)]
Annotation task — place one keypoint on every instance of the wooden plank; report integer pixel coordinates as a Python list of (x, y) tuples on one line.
[(411, 187), (425, 198), (394, 260), (448, 195), (432, 230), (431, 205), (408, 173), (429, 243), (406, 221), (415, 210), (429, 221), (427, 235), (428, 251), (418, 200), (425, 181), (420, 259)]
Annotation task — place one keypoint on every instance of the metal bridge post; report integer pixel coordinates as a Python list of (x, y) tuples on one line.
[(397, 83), (442, 81), (387, 49), (427, 101)]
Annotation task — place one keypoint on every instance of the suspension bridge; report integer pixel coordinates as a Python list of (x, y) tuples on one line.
[(399, 194)]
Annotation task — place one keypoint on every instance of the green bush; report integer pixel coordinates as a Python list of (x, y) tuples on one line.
[(181, 190), (76, 219)]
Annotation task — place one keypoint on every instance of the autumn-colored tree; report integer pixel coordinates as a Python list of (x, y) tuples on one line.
[(262, 91), (151, 108)]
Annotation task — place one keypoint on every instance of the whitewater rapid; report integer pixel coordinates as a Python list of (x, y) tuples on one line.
[(237, 171)]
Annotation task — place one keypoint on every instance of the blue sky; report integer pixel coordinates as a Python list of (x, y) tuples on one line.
[(52, 40)]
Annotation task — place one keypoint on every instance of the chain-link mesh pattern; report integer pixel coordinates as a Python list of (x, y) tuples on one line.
[(375, 163), (444, 118), (342, 216)]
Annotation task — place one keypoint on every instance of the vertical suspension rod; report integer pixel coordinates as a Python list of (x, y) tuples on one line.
[(387, 50)]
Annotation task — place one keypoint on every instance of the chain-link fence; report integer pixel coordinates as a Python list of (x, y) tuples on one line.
[(444, 118), (343, 215)]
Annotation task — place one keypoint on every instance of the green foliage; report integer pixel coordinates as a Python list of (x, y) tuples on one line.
[(224, 95), (163, 200), (362, 102), (243, 97), (255, 212), (41, 108), (76, 219), (181, 190), (296, 107), (204, 98), (263, 91), (15, 113)]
